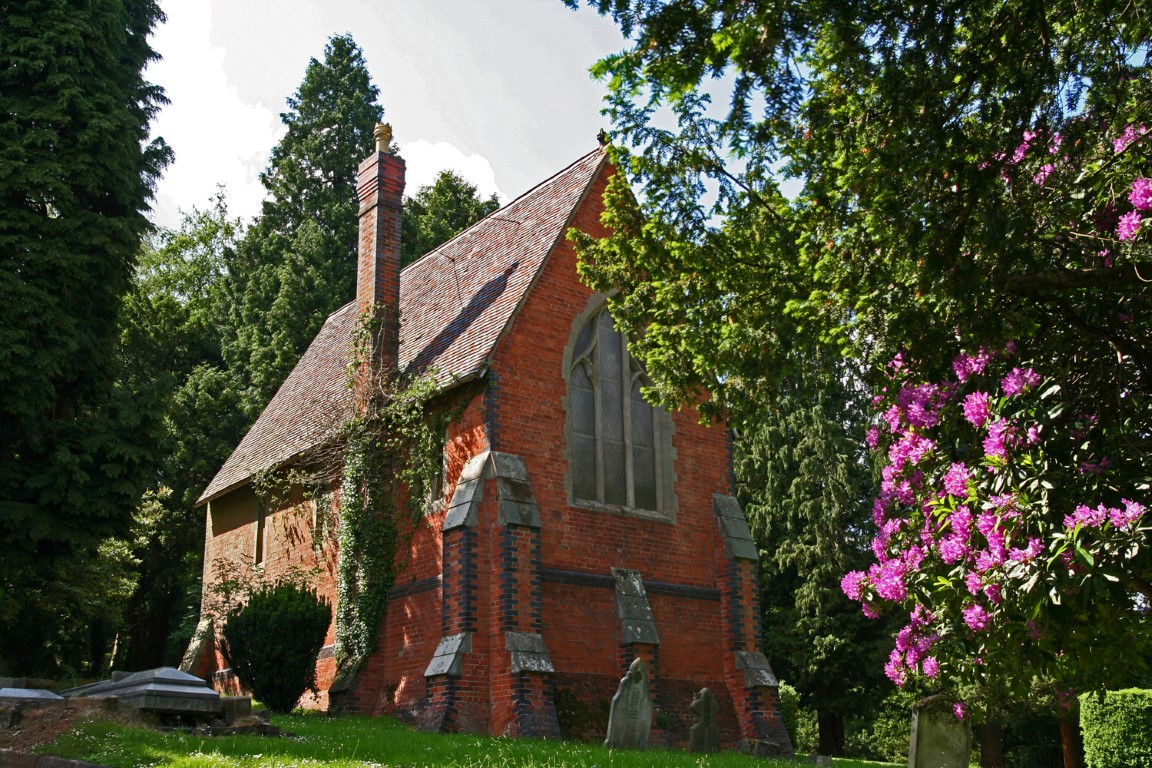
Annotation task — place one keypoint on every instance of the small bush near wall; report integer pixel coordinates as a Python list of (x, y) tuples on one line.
[(271, 642), (1117, 729)]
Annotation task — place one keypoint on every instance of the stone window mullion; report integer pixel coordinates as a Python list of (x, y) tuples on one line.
[(626, 417)]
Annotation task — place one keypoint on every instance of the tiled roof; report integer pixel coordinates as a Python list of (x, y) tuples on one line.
[(455, 303)]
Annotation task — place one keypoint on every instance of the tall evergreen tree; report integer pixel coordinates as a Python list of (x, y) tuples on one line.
[(170, 342), (298, 261), (438, 211), (76, 174), (805, 484)]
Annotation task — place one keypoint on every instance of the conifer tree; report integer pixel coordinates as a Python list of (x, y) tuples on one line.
[(298, 261), (438, 211), (805, 485), (76, 174)]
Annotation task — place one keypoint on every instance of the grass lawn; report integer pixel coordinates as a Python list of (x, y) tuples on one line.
[(359, 742)]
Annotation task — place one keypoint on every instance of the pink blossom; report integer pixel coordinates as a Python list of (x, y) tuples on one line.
[(953, 549), (976, 408), (1027, 554), (1130, 514), (1033, 435), (961, 521), (873, 437), (1131, 133), (976, 618), (931, 667), (1086, 517), (1129, 225), (1042, 175), (970, 365), (992, 592), (956, 480), (973, 582), (1141, 194), (999, 438), (1018, 381), (959, 710), (853, 584), (894, 669), (888, 580), (870, 611), (892, 418)]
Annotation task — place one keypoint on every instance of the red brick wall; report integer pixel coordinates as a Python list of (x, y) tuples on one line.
[(288, 545)]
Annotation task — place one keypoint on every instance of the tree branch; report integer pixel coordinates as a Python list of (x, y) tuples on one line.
[(1045, 283)]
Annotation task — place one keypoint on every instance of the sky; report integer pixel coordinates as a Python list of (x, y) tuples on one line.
[(497, 90)]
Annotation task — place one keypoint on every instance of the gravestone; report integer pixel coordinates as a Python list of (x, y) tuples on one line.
[(939, 738), (165, 691), (704, 736), (630, 716)]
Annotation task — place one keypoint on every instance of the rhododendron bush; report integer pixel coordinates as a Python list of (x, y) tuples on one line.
[(1014, 542)]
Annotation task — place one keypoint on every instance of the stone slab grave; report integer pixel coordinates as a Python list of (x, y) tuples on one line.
[(163, 691), (630, 717), (14, 701), (939, 739)]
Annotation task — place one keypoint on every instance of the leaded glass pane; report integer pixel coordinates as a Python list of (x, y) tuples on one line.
[(584, 467), (609, 349), (583, 403), (644, 477), (615, 491), (641, 418)]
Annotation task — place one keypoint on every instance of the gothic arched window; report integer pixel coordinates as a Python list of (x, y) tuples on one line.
[(618, 444)]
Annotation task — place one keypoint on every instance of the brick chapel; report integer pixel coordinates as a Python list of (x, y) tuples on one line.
[(578, 528)]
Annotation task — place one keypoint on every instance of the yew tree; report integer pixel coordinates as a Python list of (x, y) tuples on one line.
[(77, 170)]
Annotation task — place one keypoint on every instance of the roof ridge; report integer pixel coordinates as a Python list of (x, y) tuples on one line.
[(506, 206)]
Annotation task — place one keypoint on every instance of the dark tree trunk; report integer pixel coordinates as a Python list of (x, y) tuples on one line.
[(991, 744), (831, 727), (1071, 744)]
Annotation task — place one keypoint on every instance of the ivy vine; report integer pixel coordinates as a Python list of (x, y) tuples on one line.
[(392, 457), (384, 462)]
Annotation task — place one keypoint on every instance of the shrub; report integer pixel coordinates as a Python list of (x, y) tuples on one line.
[(1117, 728), (272, 642)]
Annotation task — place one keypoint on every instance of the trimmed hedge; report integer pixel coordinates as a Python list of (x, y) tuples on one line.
[(272, 642), (1117, 729)]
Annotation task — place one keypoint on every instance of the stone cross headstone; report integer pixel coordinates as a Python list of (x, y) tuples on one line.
[(704, 736), (630, 716), (939, 738)]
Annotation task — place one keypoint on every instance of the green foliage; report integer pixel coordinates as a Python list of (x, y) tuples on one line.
[(915, 227), (799, 720), (363, 742), (171, 326), (885, 732), (392, 456), (1117, 728), (806, 487), (438, 211), (297, 263), (954, 176), (272, 641), (76, 174)]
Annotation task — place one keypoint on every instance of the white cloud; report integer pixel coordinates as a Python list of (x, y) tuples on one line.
[(424, 160), (217, 137)]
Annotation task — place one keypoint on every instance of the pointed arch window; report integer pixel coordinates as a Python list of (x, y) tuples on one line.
[(619, 444)]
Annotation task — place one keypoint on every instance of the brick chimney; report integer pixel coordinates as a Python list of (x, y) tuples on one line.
[(380, 189)]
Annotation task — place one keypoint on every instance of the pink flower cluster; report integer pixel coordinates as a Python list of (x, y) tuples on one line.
[(1019, 380), (1087, 517), (911, 648), (1124, 140)]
